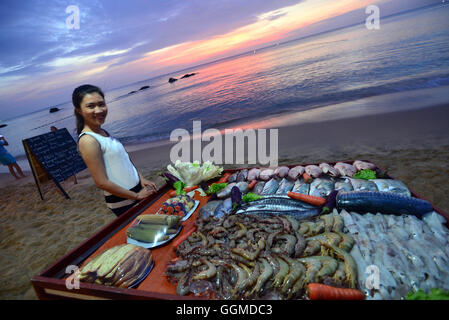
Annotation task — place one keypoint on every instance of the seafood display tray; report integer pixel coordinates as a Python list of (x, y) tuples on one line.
[(51, 283)]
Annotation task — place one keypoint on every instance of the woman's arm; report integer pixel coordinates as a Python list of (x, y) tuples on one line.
[(93, 157), (144, 182), (147, 183)]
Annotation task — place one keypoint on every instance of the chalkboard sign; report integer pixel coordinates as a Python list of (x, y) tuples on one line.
[(56, 152)]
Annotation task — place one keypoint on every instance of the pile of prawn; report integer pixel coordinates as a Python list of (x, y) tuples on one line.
[(253, 257)]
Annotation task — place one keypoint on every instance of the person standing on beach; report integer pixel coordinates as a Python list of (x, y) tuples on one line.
[(8, 160), (105, 157)]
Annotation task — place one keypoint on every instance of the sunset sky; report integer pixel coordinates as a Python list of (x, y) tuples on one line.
[(120, 42)]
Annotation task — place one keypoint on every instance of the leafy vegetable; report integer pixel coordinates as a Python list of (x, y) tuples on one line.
[(179, 187), (434, 294), (365, 174), (200, 190), (210, 171), (251, 197), (193, 173), (216, 187)]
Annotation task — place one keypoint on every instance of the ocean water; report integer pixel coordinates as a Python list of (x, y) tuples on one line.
[(408, 53)]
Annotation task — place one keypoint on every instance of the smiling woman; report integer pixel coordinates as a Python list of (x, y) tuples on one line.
[(105, 157)]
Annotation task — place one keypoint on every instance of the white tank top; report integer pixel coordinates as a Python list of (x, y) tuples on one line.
[(119, 168)]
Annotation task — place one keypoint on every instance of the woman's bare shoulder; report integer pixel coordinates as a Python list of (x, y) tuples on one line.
[(88, 143)]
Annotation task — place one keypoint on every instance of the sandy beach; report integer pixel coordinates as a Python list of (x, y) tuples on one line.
[(412, 146)]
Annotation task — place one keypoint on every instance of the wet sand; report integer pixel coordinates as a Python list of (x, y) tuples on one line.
[(412, 146)]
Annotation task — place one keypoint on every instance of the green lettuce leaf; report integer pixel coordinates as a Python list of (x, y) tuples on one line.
[(179, 187), (365, 174), (434, 294), (216, 187)]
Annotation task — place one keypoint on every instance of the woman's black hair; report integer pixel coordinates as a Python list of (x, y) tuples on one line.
[(78, 96)]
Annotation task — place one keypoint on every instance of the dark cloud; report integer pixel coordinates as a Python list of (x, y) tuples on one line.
[(34, 32)]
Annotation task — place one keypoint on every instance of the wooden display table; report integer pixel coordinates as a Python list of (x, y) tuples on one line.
[(50, 283)]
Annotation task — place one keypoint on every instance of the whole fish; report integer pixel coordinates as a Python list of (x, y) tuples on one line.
[(276, 203), (242, 175), (253, 174), (301, 186), (270, 187), (297, 214), (258, 188), (383, 202), (295, 172), (266, 174), (390, 185), (313, 171), (321, 187), (363, 185), (226, 192), (328, 169), (345, 169), (224, 208), (209, 208), (281, 172), (343, 185), (232, 177), (362, 165), (285, 186), (272, 208)]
